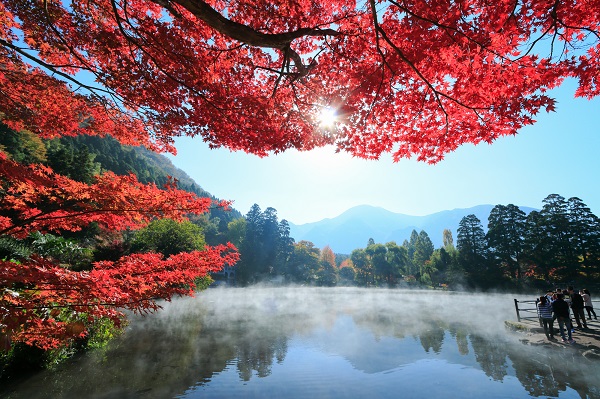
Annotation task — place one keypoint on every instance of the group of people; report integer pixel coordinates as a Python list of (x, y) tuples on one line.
[(557, 305)]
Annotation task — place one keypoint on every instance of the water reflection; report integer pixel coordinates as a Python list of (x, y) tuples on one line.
[(309, 342)]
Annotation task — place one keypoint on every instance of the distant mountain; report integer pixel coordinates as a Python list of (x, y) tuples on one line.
[(353, 228)]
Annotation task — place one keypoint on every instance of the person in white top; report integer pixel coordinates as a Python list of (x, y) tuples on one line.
[(587, 302)]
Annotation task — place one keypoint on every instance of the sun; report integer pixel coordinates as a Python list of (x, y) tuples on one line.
[(327, 117)]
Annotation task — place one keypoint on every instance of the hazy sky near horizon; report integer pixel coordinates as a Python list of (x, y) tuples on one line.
[(559, 154)]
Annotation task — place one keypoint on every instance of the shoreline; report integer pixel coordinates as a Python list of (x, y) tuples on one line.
[(587, 341)]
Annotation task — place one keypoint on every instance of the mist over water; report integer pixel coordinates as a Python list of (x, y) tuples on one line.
[(300, 342)]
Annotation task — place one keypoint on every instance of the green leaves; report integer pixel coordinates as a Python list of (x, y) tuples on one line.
[(168, 237)]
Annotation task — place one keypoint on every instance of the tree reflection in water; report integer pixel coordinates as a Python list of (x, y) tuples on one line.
[(244, 335)]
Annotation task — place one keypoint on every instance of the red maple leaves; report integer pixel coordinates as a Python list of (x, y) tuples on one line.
[(412, 78), (37, 199), (34, 198), (135, 283)]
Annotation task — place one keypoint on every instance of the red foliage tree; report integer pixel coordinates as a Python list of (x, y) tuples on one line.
[(415, 77), (411, 77), (36, 199)]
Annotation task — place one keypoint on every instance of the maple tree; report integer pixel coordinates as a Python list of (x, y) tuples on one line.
[(411, 77), (327, 256), (35, 199)]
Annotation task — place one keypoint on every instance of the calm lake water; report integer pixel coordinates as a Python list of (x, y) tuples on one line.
[(322, 343)]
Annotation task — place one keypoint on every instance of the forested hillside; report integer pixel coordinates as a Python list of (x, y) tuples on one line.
[(148, 166), (82, 157)]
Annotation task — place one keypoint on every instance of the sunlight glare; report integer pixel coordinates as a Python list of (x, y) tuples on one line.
[(327, 117)]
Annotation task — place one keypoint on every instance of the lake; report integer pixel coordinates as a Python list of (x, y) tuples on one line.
[(300, 342)]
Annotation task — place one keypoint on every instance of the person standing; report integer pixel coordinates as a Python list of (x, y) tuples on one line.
[(587, 303), (544, 308), (567, 299), (577, 306), (561, 311)]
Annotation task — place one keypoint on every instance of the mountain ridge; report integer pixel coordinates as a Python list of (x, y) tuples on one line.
[(353, 228)]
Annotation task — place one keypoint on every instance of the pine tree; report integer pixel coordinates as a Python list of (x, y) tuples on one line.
[(586, 235), (506, 232), (472, 249)]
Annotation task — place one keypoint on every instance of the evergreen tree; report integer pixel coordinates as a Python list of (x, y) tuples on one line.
[(269, 239), (562, 254), (397, 259), (506, 232), (410, 246), (472, 249), (210, 227), (362, 267), (285, 248), (455, 274), (439, 263), (251, 248), (379, 267), (74, 161), (423, 251), (236, 232), (586, 235), (83, 167), (23, 146), (538, 244)]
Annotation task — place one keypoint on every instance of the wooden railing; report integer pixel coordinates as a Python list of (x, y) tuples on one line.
[(528, 310), (531, 309)]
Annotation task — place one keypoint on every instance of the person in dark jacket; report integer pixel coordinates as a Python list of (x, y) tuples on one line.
[(561, 312), (577, 304)]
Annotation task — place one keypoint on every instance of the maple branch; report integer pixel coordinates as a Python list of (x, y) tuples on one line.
[(89, 305), (403, 57), (52, 68), (244, 33), (72, 50), (112, 93), (40, 217), (132, 40), (559, 21), (247, 34), (384, 61), (535, 42), (446, 28), (437, 94), (552, 26), (555, 26)]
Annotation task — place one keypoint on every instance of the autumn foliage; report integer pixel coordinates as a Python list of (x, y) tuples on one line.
[(414, 78), (134, 283), (35, 291), (37, 199)]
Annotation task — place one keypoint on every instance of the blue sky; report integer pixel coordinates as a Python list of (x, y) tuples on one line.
[(559, 154)]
